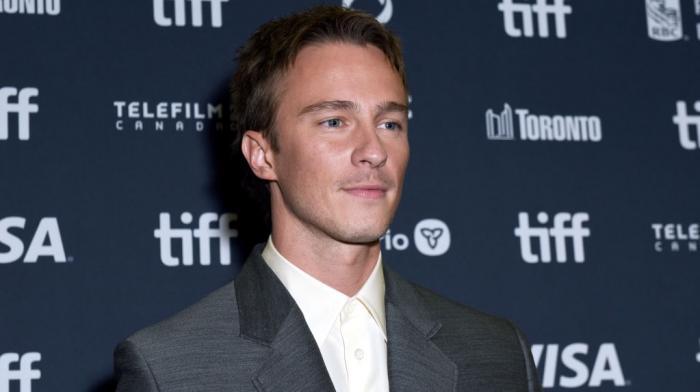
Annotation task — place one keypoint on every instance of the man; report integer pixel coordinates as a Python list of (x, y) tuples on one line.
[(320, 103)]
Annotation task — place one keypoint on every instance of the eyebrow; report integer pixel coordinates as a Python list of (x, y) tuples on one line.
[(381, 108)]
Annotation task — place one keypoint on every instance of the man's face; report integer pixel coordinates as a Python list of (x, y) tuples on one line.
[(343, 145)]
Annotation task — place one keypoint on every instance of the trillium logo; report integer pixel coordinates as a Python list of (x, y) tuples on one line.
[(432, 237)]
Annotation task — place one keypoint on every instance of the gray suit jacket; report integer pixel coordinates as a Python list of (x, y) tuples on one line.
[(250, 336)]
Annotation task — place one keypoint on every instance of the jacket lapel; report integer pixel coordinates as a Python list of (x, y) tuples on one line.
[(269, 317), (415, 363)]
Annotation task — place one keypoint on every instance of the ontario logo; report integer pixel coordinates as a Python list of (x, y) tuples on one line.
[(431, 237)]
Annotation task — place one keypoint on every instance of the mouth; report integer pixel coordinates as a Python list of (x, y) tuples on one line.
[(369, 191)]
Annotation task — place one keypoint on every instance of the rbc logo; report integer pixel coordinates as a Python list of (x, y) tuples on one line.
[(196, 7), (431, 237), (664, 20), (685, 121), (25, 374), (606, 366), (22, 107), (46, 241), (204, 233), (559, 233), (542, 9)]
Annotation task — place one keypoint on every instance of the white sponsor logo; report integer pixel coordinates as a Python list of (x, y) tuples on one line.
[(46, 241), (675, 237), (542, 9), (685, 122), (162, 116), (25, 374), (30, 7), (180, 9), (664, 20), (204, 233), (697, 356), (578, 372), (430, 236), (565, 226), (22, 107), (534, 127), (384, 16)]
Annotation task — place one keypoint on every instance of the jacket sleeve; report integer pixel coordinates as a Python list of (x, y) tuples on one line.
[(132, 371), (533, 380)]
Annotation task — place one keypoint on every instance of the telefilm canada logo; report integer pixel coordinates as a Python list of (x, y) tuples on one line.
[(167, 13), (688, 125), (676, 237), (541, 127), (44, 241), (30, 7), (519, 17), (431, 237), (567, 233), (18, 102), (19, 369), (578, 365), (384, 16), (665, 20), (177, 243), (141, 116)]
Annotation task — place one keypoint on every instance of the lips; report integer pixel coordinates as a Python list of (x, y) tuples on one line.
[(369, 191)]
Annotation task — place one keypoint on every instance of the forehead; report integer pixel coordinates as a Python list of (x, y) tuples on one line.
[(339, 70)]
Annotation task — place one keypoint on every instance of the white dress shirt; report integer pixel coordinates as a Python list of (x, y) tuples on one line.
[(349, 331)]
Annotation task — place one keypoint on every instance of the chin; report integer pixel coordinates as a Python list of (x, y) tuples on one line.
[(360, 234)]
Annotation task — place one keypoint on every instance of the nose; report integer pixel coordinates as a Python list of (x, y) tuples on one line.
[(369, 149)]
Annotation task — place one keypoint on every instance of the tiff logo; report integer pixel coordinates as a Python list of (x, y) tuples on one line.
[(204, 233), (21, 106), (685, 121), (180, 10), (542, 9), (559, 232), (25, 374)]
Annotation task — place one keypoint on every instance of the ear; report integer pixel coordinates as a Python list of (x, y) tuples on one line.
[(258, 152)]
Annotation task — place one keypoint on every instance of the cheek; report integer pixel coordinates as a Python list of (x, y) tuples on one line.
[(307, 169), (399, 154)]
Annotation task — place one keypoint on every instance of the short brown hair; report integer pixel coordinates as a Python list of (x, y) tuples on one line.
[(272, 49)]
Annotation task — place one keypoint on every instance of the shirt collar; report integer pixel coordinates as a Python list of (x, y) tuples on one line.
[(321, 304)]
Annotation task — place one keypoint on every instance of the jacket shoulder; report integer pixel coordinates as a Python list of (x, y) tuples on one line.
[(456, 316), (193, 349), (488, 350), (215, 315)]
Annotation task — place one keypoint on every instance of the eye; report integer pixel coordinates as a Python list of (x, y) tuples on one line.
[(332, 123), (391, 125)]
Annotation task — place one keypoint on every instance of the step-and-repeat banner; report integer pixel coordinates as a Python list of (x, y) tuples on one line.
[(552, 179)]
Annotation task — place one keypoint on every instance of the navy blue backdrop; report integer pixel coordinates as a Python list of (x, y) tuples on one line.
[(554, 142)]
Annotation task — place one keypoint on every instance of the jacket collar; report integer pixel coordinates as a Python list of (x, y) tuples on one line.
[(269, 316), (415, 363)]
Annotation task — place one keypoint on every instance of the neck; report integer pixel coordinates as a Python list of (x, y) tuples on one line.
[(345, 267)]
